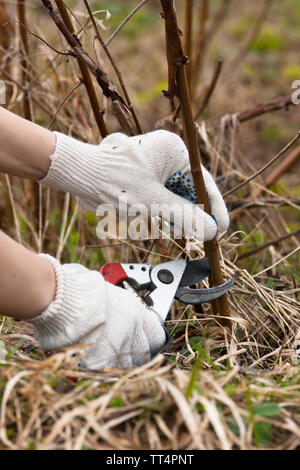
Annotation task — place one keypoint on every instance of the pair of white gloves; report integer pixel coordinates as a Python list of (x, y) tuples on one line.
[(150, 168)]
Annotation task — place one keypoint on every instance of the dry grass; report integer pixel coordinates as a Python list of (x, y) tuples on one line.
[(215, 390)]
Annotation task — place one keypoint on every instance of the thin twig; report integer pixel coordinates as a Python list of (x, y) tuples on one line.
[(264, 202), (107, 86), (283, 102), (210, 88), (65, 213), (267, 244), (284, 166), (86, 78), (118, 73), (125, 21), (263, 168), (22, 88), (280, 103), (38, 37), (277, 262), (74, 88), (176, 114)]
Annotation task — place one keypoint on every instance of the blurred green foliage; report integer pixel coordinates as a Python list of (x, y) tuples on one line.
[(119, 10), (268, 41), (291, 71), (242, 25), (249, 71), (272, 132), (149, 95)]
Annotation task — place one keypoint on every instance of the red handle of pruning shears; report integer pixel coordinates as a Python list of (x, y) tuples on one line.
[(113, 273)]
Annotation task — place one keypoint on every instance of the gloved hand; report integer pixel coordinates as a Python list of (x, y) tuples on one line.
[(87, 309), (143, 167)]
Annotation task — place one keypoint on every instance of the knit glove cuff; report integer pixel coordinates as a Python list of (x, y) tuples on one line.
[(74, 166)]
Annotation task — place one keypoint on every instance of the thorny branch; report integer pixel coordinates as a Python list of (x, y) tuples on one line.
[(178, 86), (37, 36), (283, 102), (175, 55), (138, 126), (108, 88), (86, 78)]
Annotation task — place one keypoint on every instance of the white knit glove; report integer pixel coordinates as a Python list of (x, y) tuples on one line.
[(143, 167), (87, 309)]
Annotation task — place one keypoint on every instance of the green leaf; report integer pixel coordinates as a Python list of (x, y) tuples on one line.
[(117, 401), (263, 433), (195, 371), (234, 428), (53, 381), (268, 409), (193, 378)]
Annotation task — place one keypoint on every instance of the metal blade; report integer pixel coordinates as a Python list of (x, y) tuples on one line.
[(165, 278), (195, 271), (201, 296)]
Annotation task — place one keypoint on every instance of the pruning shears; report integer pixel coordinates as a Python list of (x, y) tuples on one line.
[(165, 282)]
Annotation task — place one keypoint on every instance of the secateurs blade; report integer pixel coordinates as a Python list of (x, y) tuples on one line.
[(165, 282)]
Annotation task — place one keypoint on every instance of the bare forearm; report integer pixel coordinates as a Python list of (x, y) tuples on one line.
[(25, 147), (27, 281)]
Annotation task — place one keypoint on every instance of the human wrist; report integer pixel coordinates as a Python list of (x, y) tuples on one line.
[(41, 165)]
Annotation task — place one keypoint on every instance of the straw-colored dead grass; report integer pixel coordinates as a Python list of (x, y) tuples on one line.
[(216, 389)]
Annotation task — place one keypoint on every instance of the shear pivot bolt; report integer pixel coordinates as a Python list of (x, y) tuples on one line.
[(165, 276)]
